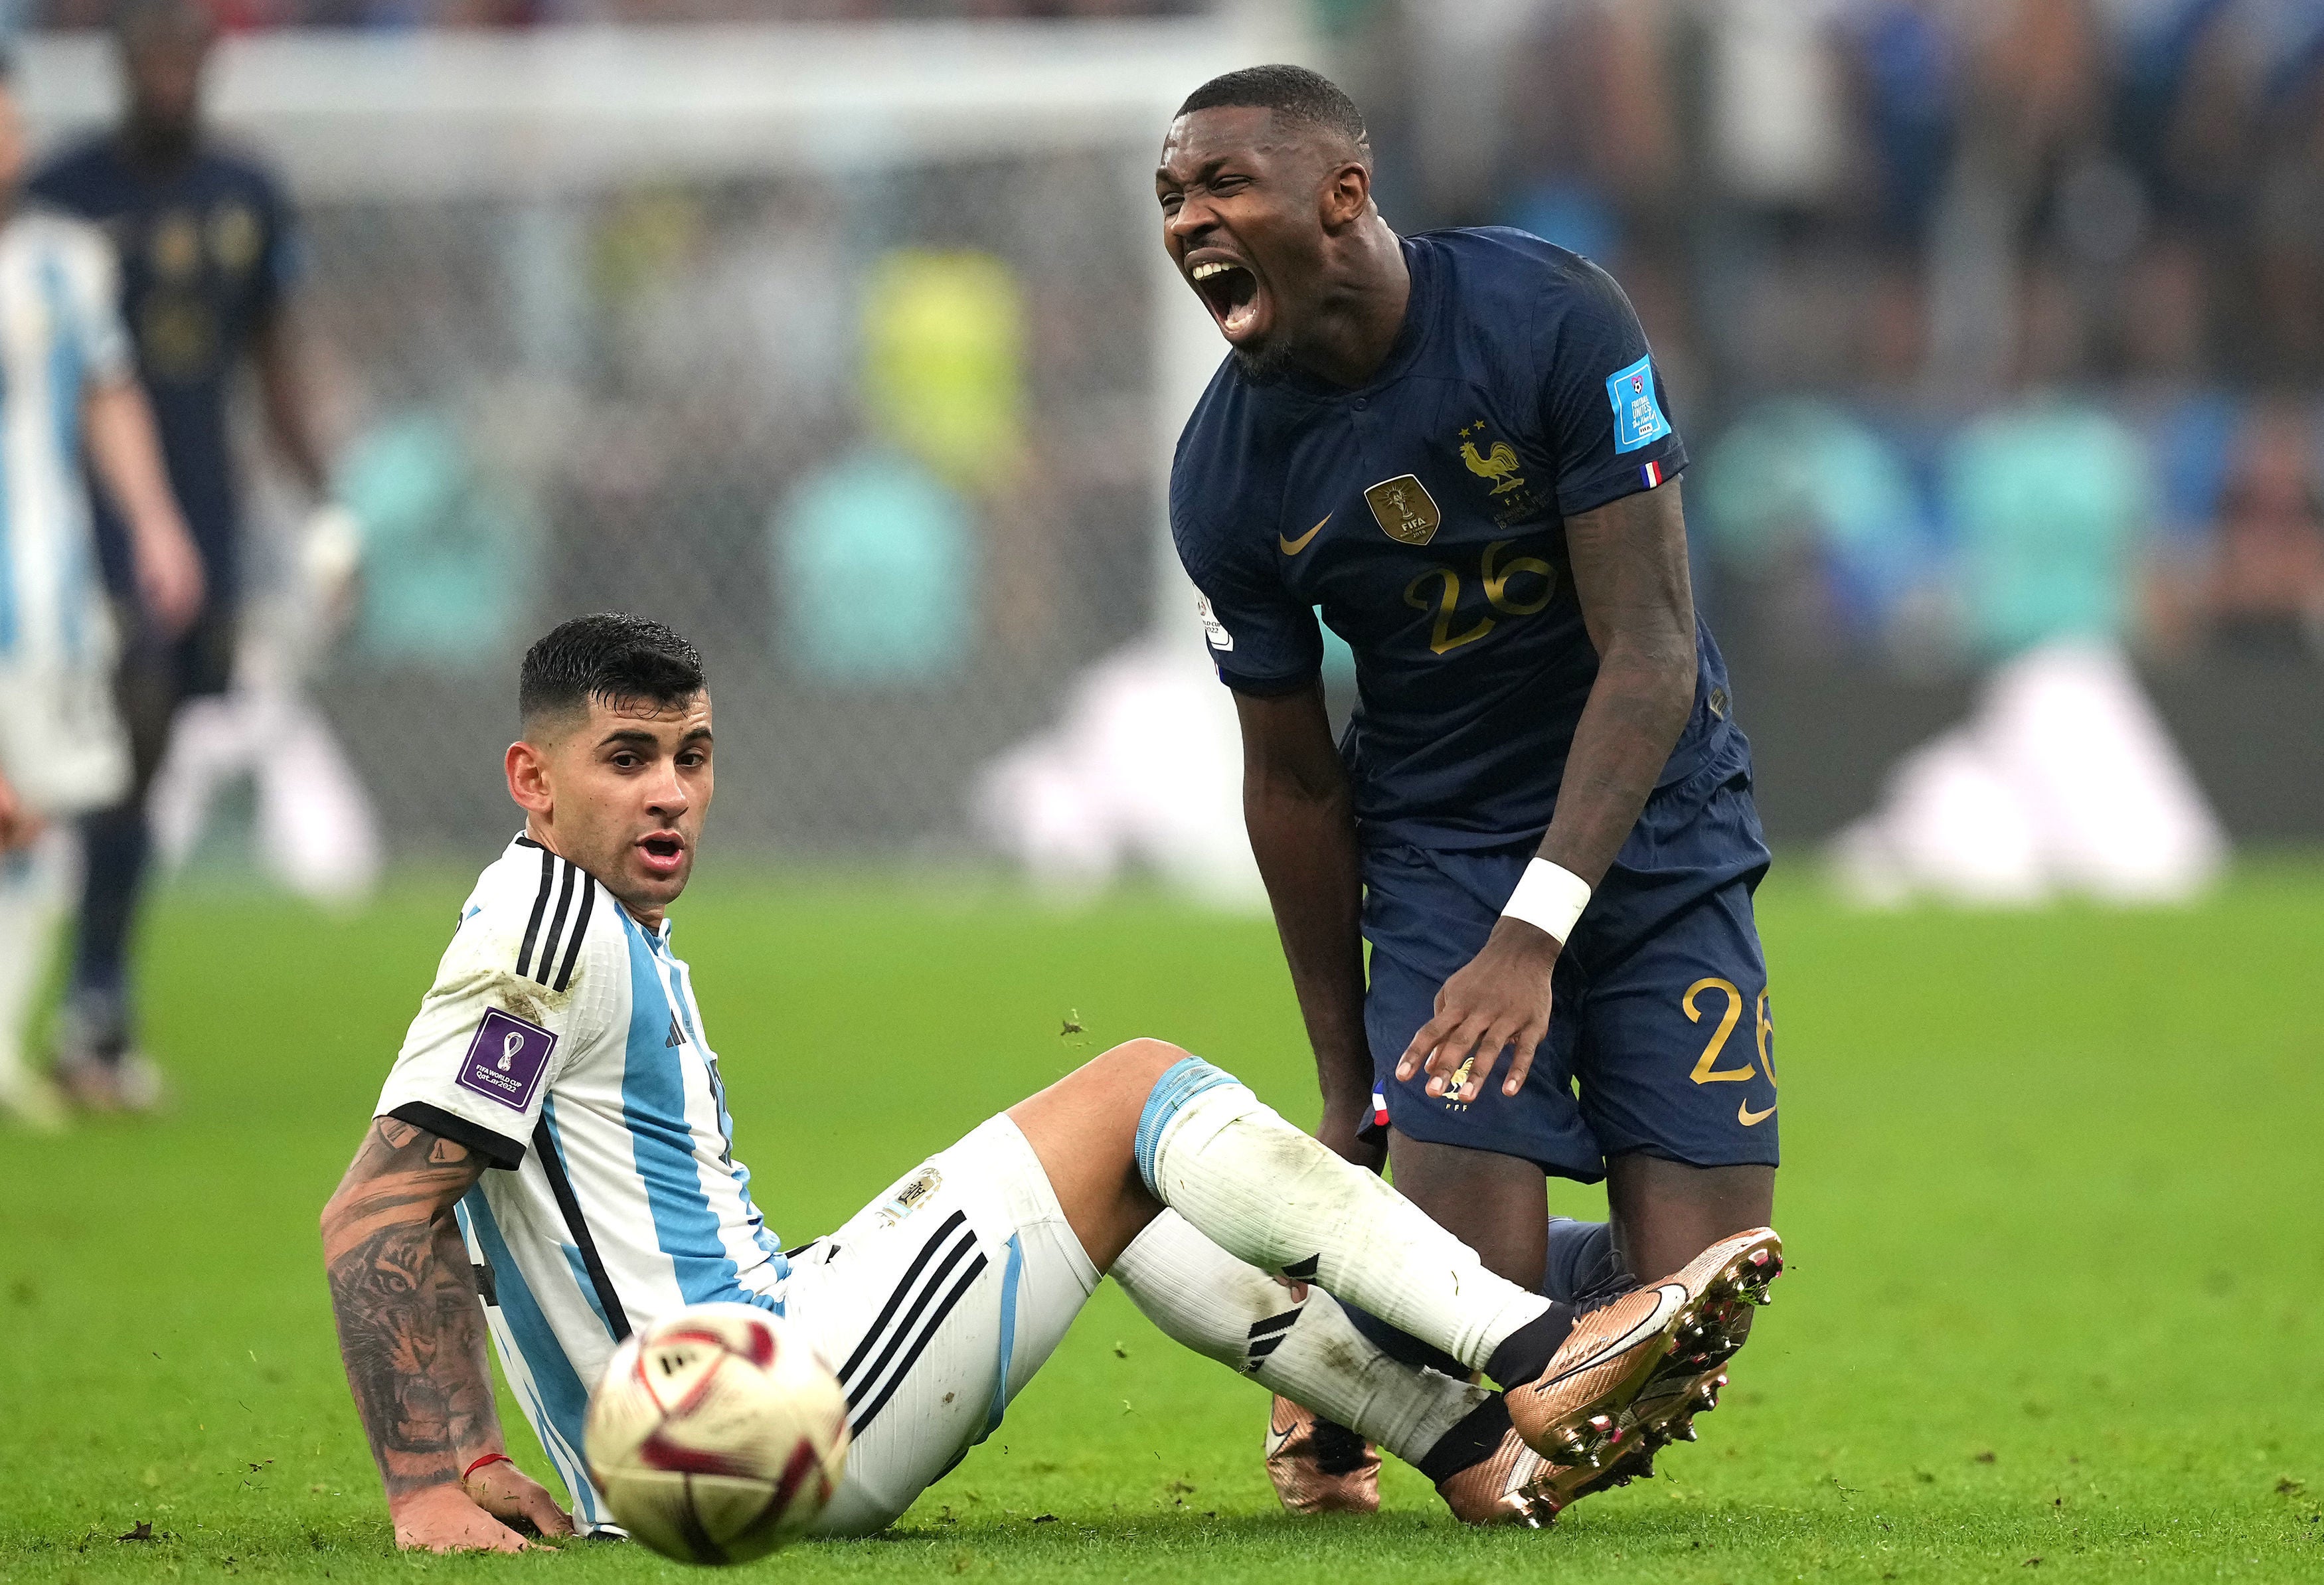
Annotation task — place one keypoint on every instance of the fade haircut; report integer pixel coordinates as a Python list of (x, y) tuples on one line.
[(611, 657), (1294, 93)]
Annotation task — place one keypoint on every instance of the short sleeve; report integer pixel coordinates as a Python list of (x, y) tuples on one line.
[(509, 1008), (1262, 638), (107, 353), (1603, 406)]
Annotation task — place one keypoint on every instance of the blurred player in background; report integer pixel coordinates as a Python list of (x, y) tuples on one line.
[(207, 252), (1455, 446), (65, 374)]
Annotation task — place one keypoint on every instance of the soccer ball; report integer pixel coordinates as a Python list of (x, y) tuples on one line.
[(716, 1435)]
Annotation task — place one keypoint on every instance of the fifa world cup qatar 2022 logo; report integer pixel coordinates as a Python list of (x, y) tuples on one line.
[(506, 1059)]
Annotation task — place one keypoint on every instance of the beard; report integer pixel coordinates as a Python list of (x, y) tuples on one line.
[(1265, 363)]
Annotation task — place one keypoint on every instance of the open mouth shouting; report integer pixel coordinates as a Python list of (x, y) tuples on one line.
[(1231, 290), (662, 853)]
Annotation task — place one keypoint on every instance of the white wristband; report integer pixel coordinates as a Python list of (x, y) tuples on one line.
[(1549, 897)]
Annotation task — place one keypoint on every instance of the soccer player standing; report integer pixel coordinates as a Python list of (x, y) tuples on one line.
[(1456, 446), (204, 235), (65, 382)]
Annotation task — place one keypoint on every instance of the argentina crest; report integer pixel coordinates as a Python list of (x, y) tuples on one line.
[(1405, 509)]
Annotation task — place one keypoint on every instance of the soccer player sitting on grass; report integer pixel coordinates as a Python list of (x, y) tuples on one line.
[(1454, 446), (552, 1160)]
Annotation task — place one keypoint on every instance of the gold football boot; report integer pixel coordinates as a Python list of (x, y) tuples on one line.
[(1318, 1466), (1664, 1343), (1516, 1485), (1733, 1276)]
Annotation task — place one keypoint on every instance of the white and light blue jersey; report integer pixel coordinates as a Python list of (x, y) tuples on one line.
[(60, 334), (562, 1040)]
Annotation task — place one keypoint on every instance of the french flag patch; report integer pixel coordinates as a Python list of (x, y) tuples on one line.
[(1380, 1109), (1652, 474)]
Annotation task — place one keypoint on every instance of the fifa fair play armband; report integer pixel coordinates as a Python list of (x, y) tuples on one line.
[(1549, 897)]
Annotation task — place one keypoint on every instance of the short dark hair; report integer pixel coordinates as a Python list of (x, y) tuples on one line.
[(1293, 92), (610, 656)]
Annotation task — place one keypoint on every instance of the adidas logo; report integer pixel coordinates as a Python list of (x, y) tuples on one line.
[(677, 1035)]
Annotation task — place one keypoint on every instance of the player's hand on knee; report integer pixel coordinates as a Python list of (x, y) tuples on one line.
[(515, 1497), (1462, 1064), (1499, 999), (444, 1518)]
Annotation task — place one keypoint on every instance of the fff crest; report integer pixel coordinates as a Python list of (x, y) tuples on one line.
[(1405, 510), (1499, 464)]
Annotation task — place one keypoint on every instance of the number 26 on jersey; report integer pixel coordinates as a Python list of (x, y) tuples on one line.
[(1495, 573)]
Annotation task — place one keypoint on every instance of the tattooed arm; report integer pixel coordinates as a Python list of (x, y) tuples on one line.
[(411, 1332)]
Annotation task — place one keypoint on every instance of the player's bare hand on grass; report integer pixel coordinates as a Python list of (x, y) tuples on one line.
[(516, 1499), (446, 1518), (1499, 999)]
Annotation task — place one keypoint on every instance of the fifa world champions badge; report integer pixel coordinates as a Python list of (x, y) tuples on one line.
[(1638, 415), (506, 1059), (1405, 509)]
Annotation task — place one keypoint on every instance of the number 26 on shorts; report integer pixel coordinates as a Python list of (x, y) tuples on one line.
[(1707, 1070)]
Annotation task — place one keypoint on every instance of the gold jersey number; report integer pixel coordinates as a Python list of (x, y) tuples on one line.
[(1494, 574)]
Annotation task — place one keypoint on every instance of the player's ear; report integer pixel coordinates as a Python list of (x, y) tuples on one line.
[(1347, 195), (528, 778)]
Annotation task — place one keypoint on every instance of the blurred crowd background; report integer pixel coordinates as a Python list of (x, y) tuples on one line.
[(2000, 318), (518, 14), (1989, 323)]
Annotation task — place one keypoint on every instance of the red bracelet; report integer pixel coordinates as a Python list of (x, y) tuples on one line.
[(480, 1463)]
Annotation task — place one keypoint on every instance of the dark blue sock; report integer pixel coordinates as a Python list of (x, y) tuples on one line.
[(1581, 1266), (115, 844), (1582, 1259)]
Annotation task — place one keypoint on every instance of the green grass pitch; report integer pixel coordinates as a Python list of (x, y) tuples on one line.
[(2054, 1206)]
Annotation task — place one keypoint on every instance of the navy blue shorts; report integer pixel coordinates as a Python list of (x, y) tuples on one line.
[(1660, 1039)]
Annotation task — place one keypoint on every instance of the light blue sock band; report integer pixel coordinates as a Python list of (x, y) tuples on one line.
[(1180, 1082)]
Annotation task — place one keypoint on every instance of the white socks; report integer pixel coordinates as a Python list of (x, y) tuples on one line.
[(1274, 1198), (1305, 1350)]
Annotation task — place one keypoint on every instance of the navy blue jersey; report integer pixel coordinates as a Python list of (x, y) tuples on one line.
[(205, 253), (1424, 515)]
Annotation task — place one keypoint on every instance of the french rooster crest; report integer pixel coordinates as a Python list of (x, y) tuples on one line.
[(1499, 464)]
